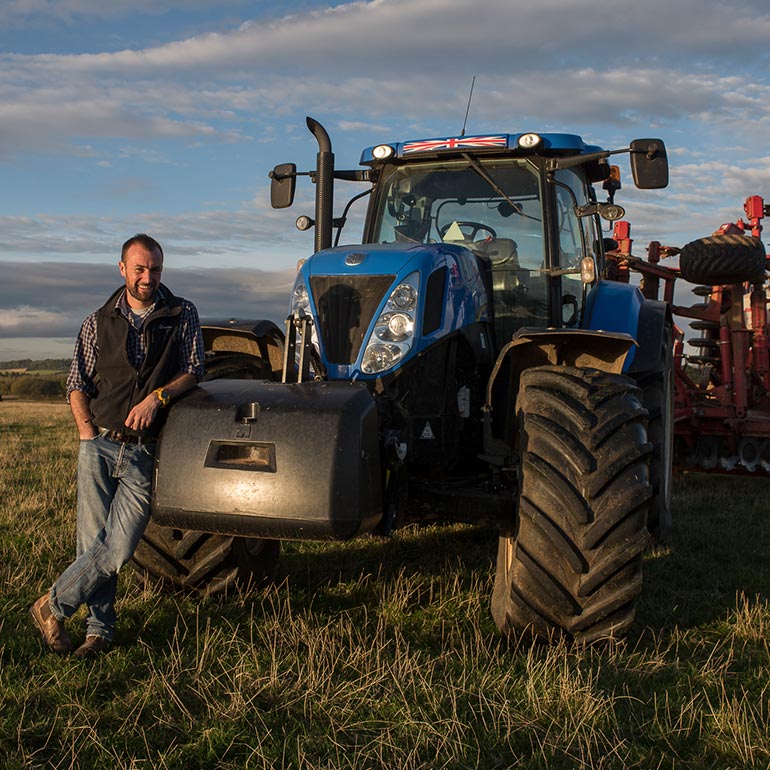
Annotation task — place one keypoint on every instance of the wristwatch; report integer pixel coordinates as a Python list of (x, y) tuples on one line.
[(163, 396)]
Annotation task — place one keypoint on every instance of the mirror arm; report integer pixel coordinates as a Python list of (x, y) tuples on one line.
[(557, 164)]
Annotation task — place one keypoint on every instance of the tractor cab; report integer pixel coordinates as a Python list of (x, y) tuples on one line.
[(524, 205), (500, 209)]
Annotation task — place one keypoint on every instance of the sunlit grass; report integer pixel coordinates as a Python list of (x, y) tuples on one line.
[(381, 653)]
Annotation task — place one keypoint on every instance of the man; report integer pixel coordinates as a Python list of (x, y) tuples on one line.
[(133, 356)]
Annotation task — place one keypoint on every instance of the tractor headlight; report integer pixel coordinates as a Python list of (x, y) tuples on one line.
[(383, 151), (300, 305), (404, 297), (378, 357), (529, 141), (394, 327), (299, 297), (393, 332)]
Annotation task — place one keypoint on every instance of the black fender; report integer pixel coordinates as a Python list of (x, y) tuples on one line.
[(582, 348), (653, 317)]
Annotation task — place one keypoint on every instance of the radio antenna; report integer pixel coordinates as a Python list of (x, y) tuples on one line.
[(468, 108)]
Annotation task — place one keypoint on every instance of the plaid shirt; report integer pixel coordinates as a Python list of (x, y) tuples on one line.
[(83, 367)]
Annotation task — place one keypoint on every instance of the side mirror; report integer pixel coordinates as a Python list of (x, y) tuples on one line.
[(282, 186), (649, 164)]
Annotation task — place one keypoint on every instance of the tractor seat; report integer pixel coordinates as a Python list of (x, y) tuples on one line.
[(502, 252)]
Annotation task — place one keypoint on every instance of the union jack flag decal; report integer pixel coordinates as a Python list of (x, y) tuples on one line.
[(455, 143)]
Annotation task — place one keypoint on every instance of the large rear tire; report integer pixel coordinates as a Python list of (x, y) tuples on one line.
[(658, 400), (200, 561), (236, 366), (571, 566)]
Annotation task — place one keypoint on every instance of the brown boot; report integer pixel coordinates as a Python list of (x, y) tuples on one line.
[(52, 630), (92, 647)]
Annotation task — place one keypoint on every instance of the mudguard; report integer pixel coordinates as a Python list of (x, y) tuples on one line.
[(270, 460), (618, 307), (563, 347), (653, 317), (535, 347)]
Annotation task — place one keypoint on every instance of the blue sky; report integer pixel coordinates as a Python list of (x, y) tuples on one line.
[(166, 116)]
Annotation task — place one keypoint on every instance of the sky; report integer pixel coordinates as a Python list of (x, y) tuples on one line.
[(166, 116)]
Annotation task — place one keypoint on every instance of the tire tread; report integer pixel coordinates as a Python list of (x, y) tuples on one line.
[(576, 553)]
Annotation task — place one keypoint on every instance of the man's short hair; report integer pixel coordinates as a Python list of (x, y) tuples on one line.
[(142, 239)]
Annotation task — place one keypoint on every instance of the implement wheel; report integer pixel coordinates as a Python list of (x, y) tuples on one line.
[(723, 259), (571, 567)]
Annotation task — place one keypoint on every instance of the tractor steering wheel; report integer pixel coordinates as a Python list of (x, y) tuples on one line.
[(474, 228)]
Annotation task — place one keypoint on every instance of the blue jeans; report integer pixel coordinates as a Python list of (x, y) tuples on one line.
[(113, 508)]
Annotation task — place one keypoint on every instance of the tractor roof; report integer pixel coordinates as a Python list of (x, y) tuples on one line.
[(508, 144)]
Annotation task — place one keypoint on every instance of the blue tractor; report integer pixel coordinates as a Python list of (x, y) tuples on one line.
[(468, 357)]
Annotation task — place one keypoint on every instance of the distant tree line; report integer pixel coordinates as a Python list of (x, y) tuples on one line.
[(46, 364), (37, 387)]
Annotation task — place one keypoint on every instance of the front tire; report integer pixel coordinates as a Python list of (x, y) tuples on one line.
[(571, 567)]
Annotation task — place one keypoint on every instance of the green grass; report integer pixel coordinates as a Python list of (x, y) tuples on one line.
[(375, 653)]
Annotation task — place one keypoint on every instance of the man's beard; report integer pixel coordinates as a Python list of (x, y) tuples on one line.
[(142, 295)]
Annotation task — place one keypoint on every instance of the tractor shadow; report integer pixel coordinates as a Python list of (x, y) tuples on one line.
[(459, 552), (718, 553)]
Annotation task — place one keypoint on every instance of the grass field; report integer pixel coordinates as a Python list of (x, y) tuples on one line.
[(382, 654)]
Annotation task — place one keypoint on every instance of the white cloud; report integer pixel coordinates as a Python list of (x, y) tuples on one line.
[(171, 110), (28, 319), (260, 236), (514, 36)]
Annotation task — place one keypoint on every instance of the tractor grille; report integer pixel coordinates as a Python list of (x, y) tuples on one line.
[(345, 306)]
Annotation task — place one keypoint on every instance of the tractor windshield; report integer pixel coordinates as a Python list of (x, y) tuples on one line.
[(494, 208), (452, 202)]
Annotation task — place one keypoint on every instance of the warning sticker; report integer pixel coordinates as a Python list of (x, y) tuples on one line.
[(427, 432)]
